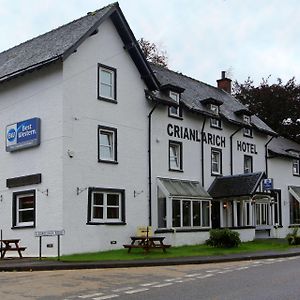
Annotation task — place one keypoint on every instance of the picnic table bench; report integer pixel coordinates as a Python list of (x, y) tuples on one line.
[(11, 245), (147, 243)]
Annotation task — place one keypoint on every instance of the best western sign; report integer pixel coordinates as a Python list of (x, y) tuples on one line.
[(24, 134)]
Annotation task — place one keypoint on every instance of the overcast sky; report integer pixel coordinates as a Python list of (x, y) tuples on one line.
[(255, 38)]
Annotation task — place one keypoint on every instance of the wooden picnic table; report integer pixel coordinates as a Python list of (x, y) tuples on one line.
[(147, 243), (11, 245)]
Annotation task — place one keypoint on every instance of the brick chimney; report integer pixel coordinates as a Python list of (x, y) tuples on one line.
[(224, 83)]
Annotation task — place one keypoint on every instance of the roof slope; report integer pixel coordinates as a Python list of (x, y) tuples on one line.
[(196, 91), (59, 43), (234, 186), (284, 147)]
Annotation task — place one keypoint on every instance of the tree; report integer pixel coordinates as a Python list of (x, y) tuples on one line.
[(153, 53), (277, 104)]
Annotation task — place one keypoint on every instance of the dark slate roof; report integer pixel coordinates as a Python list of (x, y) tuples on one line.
[(196, 91), (284, 147), (236, 185), (59, 43)]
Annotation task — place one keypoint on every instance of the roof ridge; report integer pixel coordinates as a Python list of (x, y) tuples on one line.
[(61, 26)]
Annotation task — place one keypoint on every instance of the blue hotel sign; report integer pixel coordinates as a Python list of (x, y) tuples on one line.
[(24, 134)]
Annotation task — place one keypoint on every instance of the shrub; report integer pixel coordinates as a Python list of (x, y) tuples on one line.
[(293, 238), (224, 238)]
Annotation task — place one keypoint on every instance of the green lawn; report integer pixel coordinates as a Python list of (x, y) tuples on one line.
[(196, 250)]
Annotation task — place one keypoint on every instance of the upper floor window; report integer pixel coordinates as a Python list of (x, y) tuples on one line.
[(215, 122), (24, 209), (107, 89), (216, 161), (247, 131), (106, 206), (175, 156), (296, 167), (107, 140), (248, 164), (175, 111)]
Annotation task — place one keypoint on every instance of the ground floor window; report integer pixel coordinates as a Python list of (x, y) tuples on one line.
[(106, 206), (190, 213), (24, 209), (294, 211)]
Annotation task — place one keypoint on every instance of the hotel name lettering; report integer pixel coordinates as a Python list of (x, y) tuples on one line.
[(195, 135)]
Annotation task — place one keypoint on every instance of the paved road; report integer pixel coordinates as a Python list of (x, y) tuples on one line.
[(260, 279)]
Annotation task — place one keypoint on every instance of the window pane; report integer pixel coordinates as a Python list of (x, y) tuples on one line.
[(106, 91), (196, 213), (106, 145), (186, 213), (98, 212), (205, 214), (113, 199), (106, 77), (162, 213), (176, 213), (26, 202), (26, 216), (174, 156), (294, 211), (113, 213), (98, 199), (174, 110), (215, 162)]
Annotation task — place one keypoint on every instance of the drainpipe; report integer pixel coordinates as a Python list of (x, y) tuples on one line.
[(231, 152), (202, 151), (266, 154), (150, 161)]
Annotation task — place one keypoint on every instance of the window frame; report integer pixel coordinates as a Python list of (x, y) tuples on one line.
[(105, 220), (296, 171), (219, 151), (179, 146), (113, 72), (113, 133), (251, 166), (15, 207), (178, 114), (215, 122), (247, 131)]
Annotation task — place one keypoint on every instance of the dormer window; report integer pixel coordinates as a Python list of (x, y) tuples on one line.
[(247, 130), (215, 122), (296, 167), (175, 111)]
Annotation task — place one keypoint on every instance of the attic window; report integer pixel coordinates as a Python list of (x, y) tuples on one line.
[(175, 111), (107, 89), (215, 122), (247, 130)]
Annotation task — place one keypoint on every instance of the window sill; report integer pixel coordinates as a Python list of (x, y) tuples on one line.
[(240, 227), (114, 162), (175, 170), (175, 230), (176, 117), (296, 175), (248, 136), (216, 175), (216, 127), (106, 223), (23, 227), (108, 100)]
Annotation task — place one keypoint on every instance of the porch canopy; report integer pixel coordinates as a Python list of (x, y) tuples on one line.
[(295, 192), (237, 186), (176, 188)]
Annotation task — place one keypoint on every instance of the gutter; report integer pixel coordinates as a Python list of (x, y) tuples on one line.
[(231, 152), (202, 151), (266, 154), (150, 161)]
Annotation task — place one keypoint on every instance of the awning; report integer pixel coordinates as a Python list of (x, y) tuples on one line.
[(182, 188), (295, 192), (236, 185)]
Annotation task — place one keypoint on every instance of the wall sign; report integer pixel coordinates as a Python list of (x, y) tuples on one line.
[(246, 147), (268, 184), (24, 134)]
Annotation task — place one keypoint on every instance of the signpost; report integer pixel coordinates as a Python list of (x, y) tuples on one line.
[(57, 233)]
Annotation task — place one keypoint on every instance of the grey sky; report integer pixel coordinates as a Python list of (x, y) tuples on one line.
[(253, 38)]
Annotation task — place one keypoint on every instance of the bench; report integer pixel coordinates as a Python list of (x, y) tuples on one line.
[(14, 247), (147, 243)]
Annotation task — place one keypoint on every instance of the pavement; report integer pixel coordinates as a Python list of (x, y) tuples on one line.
[(34, 264)]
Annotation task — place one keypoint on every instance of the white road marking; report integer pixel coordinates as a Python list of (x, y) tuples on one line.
[(225, 271), (90, 296), (213, 271), (106, 297), (193, 275), (136, 291), (163, 285), (149, 284), (205, 276), (173, 279), (123, 289), (242, 268)]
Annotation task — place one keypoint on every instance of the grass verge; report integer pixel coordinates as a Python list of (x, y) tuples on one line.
[(183, 251)]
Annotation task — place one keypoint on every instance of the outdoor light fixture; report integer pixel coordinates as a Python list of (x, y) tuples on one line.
[(225, 205)]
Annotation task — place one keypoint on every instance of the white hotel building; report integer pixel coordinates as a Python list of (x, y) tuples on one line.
[(97, 141)]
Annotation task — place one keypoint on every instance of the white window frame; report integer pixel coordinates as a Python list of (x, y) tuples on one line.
[(174, 111), (192, 213), (105, 206), (248, 169), (175, 157), (247, 131), (17, 198), (111, 85), (111, 134), (217, 162), (214, 122), (296, 167)]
